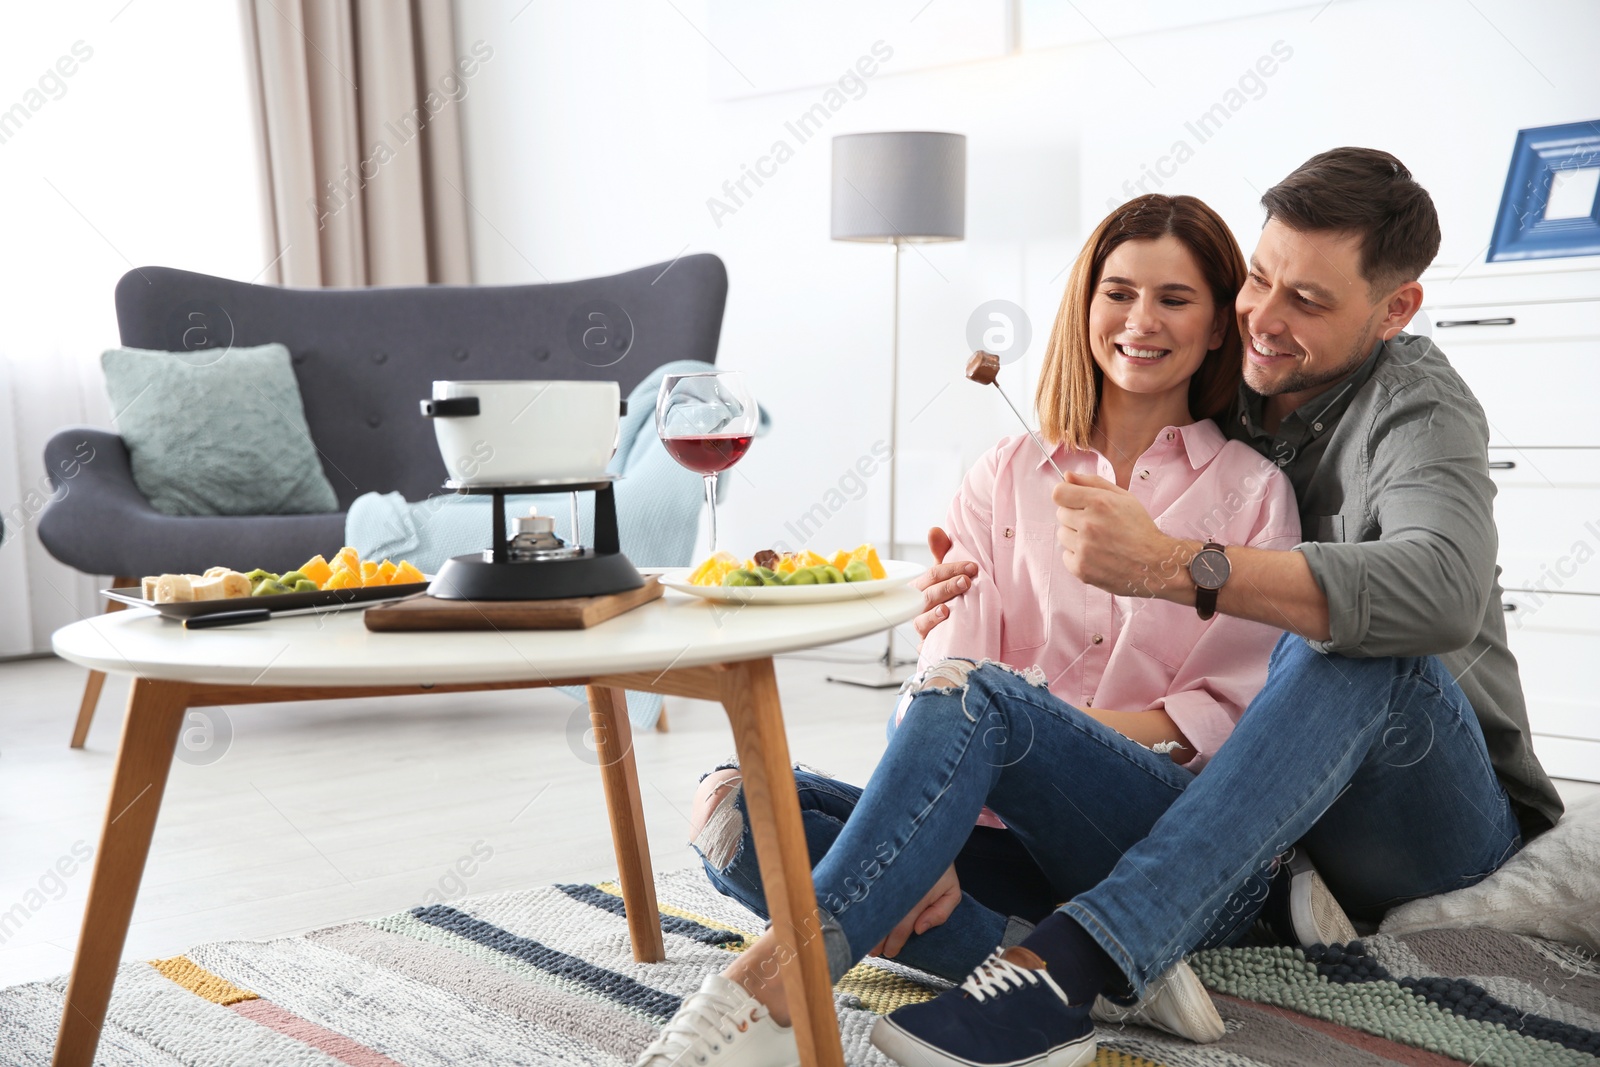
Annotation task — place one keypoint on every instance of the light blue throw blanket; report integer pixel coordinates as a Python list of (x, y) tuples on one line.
[(658, 513)]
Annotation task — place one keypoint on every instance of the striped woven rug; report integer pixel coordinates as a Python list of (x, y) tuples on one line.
[(545, 976)]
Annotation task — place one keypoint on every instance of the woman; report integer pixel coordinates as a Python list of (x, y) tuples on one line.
[(1055, 677)]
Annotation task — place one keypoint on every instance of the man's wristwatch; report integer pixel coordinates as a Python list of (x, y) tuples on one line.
[(1209, 569)]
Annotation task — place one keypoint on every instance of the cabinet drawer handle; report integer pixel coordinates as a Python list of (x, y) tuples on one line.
[(1509, 606), (1502, 464), (1445, 324)]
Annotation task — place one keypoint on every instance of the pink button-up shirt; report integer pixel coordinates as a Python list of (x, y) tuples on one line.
[(1118, 652)]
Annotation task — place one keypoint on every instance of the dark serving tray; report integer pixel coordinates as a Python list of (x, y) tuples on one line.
[(332, 599)]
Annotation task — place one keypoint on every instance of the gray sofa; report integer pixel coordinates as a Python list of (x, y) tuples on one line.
[(363, 358)]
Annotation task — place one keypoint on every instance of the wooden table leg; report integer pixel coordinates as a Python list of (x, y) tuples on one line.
[(608, 711), (149, 738), (750, 695), (97, 679)]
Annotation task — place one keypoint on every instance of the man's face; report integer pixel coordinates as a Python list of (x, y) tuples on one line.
[(1306, 314)]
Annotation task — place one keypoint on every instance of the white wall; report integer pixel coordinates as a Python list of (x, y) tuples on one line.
[(593, 145), (142, 155)]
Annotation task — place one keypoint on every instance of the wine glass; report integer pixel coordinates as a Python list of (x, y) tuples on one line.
[(706, 421)]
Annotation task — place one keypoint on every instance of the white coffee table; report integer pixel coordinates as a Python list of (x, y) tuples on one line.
[(677, 645)]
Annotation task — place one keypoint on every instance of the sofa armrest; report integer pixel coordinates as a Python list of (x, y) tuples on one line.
[(100, 523)]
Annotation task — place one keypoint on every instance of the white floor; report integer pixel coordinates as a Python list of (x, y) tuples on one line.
[(320, 813)]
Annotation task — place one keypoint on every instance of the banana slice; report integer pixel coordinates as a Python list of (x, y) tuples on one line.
[(173, 589), (208, 589)]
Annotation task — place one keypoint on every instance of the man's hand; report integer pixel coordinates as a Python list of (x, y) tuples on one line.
[(942, 583), (932, 910), (1110, 541)]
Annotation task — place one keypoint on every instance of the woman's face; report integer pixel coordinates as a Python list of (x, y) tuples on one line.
[(1152, 318)]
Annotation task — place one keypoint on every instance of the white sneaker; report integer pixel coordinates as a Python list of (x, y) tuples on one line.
[(1316, 915), (724, 1025), (1175, 1002)]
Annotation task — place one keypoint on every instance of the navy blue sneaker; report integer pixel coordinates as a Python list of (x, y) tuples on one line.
[(1008, 1013)]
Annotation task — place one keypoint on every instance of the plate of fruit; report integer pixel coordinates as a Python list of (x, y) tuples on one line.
[(804, 577), (344, 581)]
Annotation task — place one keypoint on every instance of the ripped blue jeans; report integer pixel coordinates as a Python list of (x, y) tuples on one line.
[(1377, 767), (1073, 792)]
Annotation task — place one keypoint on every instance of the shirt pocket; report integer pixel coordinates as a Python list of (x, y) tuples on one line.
[(1163, 631), (1328, 529), (1026, 555)]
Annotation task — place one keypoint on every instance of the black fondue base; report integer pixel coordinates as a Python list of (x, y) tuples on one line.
[(599, 571), (474, 578)]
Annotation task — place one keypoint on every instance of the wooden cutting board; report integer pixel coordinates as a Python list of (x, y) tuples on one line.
[(574, 613)]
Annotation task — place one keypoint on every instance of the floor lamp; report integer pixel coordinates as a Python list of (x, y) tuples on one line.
[(902, 187)]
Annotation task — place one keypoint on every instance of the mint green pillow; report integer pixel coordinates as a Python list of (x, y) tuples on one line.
[(217, 431)]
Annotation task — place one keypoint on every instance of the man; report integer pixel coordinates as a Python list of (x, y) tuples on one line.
[(1389, 747)]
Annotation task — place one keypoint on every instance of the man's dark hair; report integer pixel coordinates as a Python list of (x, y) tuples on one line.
[(1367, 192)]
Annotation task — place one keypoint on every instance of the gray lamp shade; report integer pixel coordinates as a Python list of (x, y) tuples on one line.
[(906, 185)]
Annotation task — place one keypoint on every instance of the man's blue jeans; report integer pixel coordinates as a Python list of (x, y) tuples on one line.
[(1377, 767)]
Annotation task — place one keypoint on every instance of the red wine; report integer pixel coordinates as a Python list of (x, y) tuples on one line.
[(710, 453)]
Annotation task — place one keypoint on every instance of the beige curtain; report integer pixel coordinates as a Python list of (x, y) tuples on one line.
[(360, 131)]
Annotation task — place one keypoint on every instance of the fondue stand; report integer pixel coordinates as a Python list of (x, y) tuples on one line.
[(541, 427), (535, 564)]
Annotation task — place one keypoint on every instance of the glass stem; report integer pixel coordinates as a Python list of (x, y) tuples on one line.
[(711, 506)]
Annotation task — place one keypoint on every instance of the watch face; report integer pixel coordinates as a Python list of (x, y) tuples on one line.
[(1209, 569)]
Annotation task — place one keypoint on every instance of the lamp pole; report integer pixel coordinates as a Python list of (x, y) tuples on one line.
[(894, 440), (896, 186), (888, 675)]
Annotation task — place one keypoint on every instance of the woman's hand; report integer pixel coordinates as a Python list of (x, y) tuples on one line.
[(942, 583), (932, 910)]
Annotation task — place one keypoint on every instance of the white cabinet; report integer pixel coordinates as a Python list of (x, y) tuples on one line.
[(1547, 510), (1535, 368), (1526, 339), (1556, 639)]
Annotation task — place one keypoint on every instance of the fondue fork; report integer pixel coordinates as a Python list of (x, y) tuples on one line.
[(984, 368)]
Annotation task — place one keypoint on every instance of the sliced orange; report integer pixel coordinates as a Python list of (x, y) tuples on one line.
[(870, 555), (809, 558), (343, 578), (385, 574), (406, 574), (712, 563), (348, 558), (316, 568), (840, 559)]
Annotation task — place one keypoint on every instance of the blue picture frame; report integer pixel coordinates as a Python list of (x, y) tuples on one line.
[(1521, 231)]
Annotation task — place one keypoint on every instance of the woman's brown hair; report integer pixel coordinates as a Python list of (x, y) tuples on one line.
[(1069, 386)]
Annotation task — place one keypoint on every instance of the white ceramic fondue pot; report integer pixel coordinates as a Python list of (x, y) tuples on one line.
[(525, 432)]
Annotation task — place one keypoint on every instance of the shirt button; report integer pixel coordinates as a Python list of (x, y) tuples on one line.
[(1283, 462), (1170, 435), (1316, 425), (1007, 532), (1088, 703), (1242, 420), (1144, 474), (1097, 638)]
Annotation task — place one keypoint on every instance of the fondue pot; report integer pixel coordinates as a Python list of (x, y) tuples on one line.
[(524, 432), (503, 438)]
